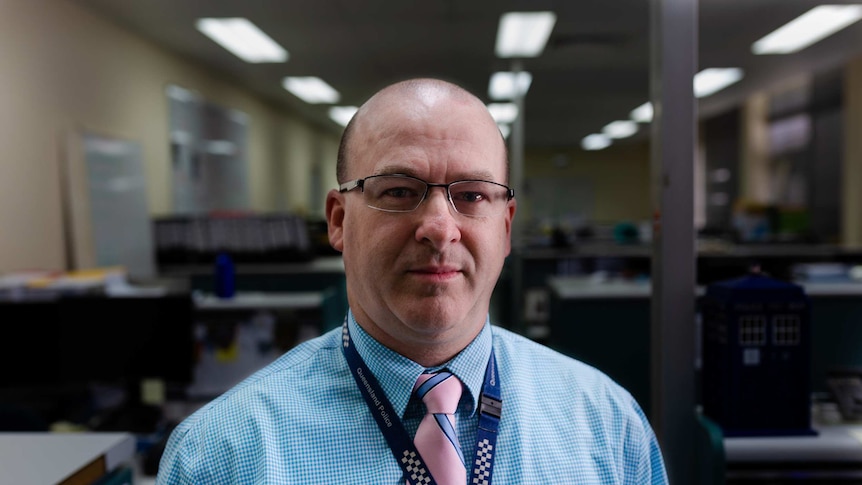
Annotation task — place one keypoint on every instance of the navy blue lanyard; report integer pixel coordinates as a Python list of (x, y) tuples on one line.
[(490, 408)]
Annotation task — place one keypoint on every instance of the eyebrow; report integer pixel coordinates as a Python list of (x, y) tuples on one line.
[(405, 170)]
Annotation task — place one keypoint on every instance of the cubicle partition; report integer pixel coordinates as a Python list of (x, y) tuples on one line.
[(607, 324), (83, 360), (272, 308), (323, 275)]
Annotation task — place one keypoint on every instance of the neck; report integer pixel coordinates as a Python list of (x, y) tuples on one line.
[(431, 357), (431, 351), (426, 354)]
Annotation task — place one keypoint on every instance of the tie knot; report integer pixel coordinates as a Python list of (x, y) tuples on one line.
[(440, 392)]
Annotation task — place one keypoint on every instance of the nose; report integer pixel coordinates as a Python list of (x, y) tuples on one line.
[(438, 224)]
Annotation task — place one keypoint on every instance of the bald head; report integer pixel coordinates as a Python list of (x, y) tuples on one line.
[(411, 99)]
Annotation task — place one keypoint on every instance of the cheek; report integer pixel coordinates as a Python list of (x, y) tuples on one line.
[(489, 249), (369, 242)]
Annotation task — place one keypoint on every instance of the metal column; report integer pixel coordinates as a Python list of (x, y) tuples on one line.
[(672, 67), (516, 181)]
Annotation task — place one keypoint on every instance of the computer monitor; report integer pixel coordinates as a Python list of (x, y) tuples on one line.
[(126, 339), (30, 357), (59, 349)]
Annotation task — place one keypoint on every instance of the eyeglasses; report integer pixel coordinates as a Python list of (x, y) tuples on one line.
[(403, 193)]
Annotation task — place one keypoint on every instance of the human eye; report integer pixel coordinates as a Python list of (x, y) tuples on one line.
[(394, 192), (400, 192), (471, 193)]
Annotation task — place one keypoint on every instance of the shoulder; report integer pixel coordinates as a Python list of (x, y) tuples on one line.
[(520, 353), (561, 379), (292, 372), (577, 407), (238, 422), (316, 356)]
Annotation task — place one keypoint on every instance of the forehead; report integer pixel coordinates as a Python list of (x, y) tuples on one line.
[(445, 137)]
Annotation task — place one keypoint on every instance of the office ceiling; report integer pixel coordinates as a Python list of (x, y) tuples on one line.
[(594, 70)]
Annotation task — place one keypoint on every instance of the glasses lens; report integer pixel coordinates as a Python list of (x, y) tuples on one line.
[(391, 193), (474, 198)]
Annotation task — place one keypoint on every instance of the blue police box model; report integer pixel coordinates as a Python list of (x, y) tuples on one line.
[(756, 356)]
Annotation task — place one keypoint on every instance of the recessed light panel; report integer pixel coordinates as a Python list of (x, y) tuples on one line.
[(311, 89), (596, 141), (524, 34), (714, 79), (620, 129), (503, 112), (243, 39), (342, 114), (811, 27), (506, 85), (643, 113)]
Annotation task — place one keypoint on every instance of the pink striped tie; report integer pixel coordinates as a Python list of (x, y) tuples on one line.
[(436, 439)]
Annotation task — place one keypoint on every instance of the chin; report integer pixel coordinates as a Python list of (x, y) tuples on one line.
[(430, 317), (436, 317)]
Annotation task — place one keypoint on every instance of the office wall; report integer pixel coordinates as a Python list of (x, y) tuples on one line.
[(754, 167), (328, 180), (299, 145), (29, 176), (65, 71), (852, 163), (617, 177)]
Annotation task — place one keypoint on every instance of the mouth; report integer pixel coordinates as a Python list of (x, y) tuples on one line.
[(435, 273)]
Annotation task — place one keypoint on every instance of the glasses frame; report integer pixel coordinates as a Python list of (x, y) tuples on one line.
[(360, 184)]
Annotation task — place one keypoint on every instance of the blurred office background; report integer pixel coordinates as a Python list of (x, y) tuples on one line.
[(144, 162)]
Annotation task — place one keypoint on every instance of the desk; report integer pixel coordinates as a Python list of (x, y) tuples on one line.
[(260, 300), (607, 324), (321, 265), (316, 275), (575, 287), (54, 458), (570, 288), (834, 454), (239, 335)]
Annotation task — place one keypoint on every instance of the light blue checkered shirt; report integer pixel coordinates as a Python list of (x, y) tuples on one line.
[(302, 420)]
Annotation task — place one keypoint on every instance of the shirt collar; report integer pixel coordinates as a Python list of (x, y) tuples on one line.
[(397, 373)]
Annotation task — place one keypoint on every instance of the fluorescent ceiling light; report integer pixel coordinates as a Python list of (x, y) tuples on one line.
[(506, 85), (596, 141), (620, 129), (505, 130), (503, 112), (643, 113), (311, 89), (243, 39), (524, 34), (342, 114), (810, 27), (715, 79)]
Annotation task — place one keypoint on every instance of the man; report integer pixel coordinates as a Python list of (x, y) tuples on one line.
[(423, 219)]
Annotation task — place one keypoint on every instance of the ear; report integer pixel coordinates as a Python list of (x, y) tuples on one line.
[(510, 215), (335, 219)]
